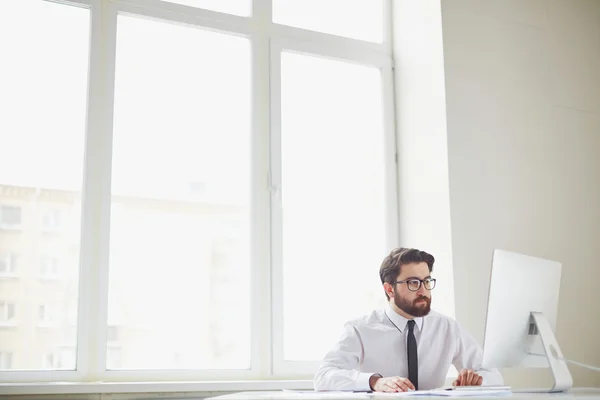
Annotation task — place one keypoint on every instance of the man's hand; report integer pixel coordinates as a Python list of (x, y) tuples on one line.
[(468, 377), (390, 384)]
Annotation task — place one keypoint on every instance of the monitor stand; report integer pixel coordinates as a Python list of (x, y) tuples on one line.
[(560, 371)]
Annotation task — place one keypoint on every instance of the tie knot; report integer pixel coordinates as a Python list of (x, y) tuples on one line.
[(411, 324)]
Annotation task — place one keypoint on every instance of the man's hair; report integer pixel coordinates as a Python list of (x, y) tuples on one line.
[(390, 268)]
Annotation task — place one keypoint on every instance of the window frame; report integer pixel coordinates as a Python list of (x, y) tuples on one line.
[(267, 41)]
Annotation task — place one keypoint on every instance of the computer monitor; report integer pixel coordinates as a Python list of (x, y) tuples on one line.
[(521, 316)]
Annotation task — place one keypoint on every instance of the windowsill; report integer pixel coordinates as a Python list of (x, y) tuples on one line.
[(11, 228), (39, 388), (52, 231), (46, 325)]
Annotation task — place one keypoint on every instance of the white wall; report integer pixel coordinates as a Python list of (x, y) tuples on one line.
[(513, 105), (523, 119)]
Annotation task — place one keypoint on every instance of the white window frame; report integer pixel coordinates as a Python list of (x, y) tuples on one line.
[(267, 41)]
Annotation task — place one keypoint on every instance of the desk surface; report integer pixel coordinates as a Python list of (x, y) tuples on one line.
[(577, 393)]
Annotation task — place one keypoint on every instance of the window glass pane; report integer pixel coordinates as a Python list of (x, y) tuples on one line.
[(236, 7), (356, 19), (43, 97), (179, 285), (333, 196)]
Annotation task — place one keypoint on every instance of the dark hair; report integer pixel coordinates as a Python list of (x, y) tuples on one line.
[(390, 268)]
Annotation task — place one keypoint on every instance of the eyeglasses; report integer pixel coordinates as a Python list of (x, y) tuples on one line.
[(415, 284)]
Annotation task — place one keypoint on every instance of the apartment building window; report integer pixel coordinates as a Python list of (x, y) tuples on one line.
[(45, 317), (6, 360), (8, 264), (112, 333), (10, 217), (52, 220), (7, 313), (49, 267), (227, 144), (50, 361)]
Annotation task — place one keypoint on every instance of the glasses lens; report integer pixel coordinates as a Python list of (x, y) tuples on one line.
[(429, 284), (413, 284)]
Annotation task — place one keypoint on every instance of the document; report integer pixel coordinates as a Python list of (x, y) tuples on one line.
[(333, 395), (444, 393)]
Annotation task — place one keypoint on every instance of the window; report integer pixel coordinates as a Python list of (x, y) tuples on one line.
[(45, 317), (49, 267), (231, 155), (10, 217), (51, 220), (7, 313), (8, 264), (50, 361), (44, 80), (6, 360), (158, 210), (320, 198)]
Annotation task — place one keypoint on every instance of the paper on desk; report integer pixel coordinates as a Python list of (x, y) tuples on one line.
[(333, 395), (443, 393)]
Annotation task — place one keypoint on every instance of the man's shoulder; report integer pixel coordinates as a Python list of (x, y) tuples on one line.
[(375, 316), (441, 319)]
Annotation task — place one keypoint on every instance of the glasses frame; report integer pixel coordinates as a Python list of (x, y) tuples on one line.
[(421, 282)]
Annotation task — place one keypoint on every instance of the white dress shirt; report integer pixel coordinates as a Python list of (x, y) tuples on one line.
[(376, 344)]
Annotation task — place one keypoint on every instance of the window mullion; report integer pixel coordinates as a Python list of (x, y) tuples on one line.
[(262, 304), (93, 297), (276, 206)]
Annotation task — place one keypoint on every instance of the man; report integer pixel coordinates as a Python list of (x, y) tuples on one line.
[(406, 346)]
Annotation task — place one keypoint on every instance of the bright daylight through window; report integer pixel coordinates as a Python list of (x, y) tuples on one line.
[(185, 185)]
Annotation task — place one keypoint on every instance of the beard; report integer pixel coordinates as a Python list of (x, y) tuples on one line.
[(411, 307)]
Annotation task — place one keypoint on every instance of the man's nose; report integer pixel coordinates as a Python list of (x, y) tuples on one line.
[(421, 290)]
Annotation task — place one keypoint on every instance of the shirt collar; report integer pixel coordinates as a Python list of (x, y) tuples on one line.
[(400, 321)]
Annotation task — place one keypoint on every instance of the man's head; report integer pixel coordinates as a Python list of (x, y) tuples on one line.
[(406, 277)]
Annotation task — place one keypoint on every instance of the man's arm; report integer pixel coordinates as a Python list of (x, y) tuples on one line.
[(339, 368), (469, 356)]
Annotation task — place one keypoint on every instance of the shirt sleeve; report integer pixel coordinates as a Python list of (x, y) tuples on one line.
[(470, 356), (339, 368)]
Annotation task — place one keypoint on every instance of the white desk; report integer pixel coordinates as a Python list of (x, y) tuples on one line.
[(575, 394)]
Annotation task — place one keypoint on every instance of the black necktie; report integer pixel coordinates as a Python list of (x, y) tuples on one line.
[(411, 352)]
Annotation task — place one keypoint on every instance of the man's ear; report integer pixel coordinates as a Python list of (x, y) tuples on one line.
[(389, 290)]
